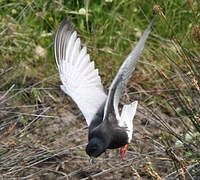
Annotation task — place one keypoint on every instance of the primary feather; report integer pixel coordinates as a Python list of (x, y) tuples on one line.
[(80, 80)]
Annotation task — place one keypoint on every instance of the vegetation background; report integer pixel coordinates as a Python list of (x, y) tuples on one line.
[(42, 132)]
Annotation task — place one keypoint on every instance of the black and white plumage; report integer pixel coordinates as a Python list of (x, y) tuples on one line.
[(108, 128)]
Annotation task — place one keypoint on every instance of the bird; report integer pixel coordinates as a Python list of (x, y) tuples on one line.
[(108, 128)]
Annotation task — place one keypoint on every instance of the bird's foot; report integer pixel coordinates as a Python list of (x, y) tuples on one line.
[(123, 151)]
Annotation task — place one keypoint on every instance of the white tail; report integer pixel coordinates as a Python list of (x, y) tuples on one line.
[(127, 115)]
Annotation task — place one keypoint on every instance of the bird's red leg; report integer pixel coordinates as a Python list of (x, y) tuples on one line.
[(123, 151)]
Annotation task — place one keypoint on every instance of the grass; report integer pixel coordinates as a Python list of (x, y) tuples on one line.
[(43, 134)]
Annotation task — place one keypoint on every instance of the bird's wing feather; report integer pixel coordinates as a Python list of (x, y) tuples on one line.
[(80, 80), (121, 79)]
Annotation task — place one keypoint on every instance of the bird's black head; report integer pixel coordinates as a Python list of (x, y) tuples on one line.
[(95, 147)]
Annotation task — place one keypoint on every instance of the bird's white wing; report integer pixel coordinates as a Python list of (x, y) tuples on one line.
[(121, 79), (80, 80)]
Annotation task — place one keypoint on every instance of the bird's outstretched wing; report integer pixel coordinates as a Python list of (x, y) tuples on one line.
[(121, 79), (80, 80)]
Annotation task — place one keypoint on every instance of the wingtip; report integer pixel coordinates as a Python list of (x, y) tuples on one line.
[(64, 28), (65, 23), (152, 22), (149, 28)]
